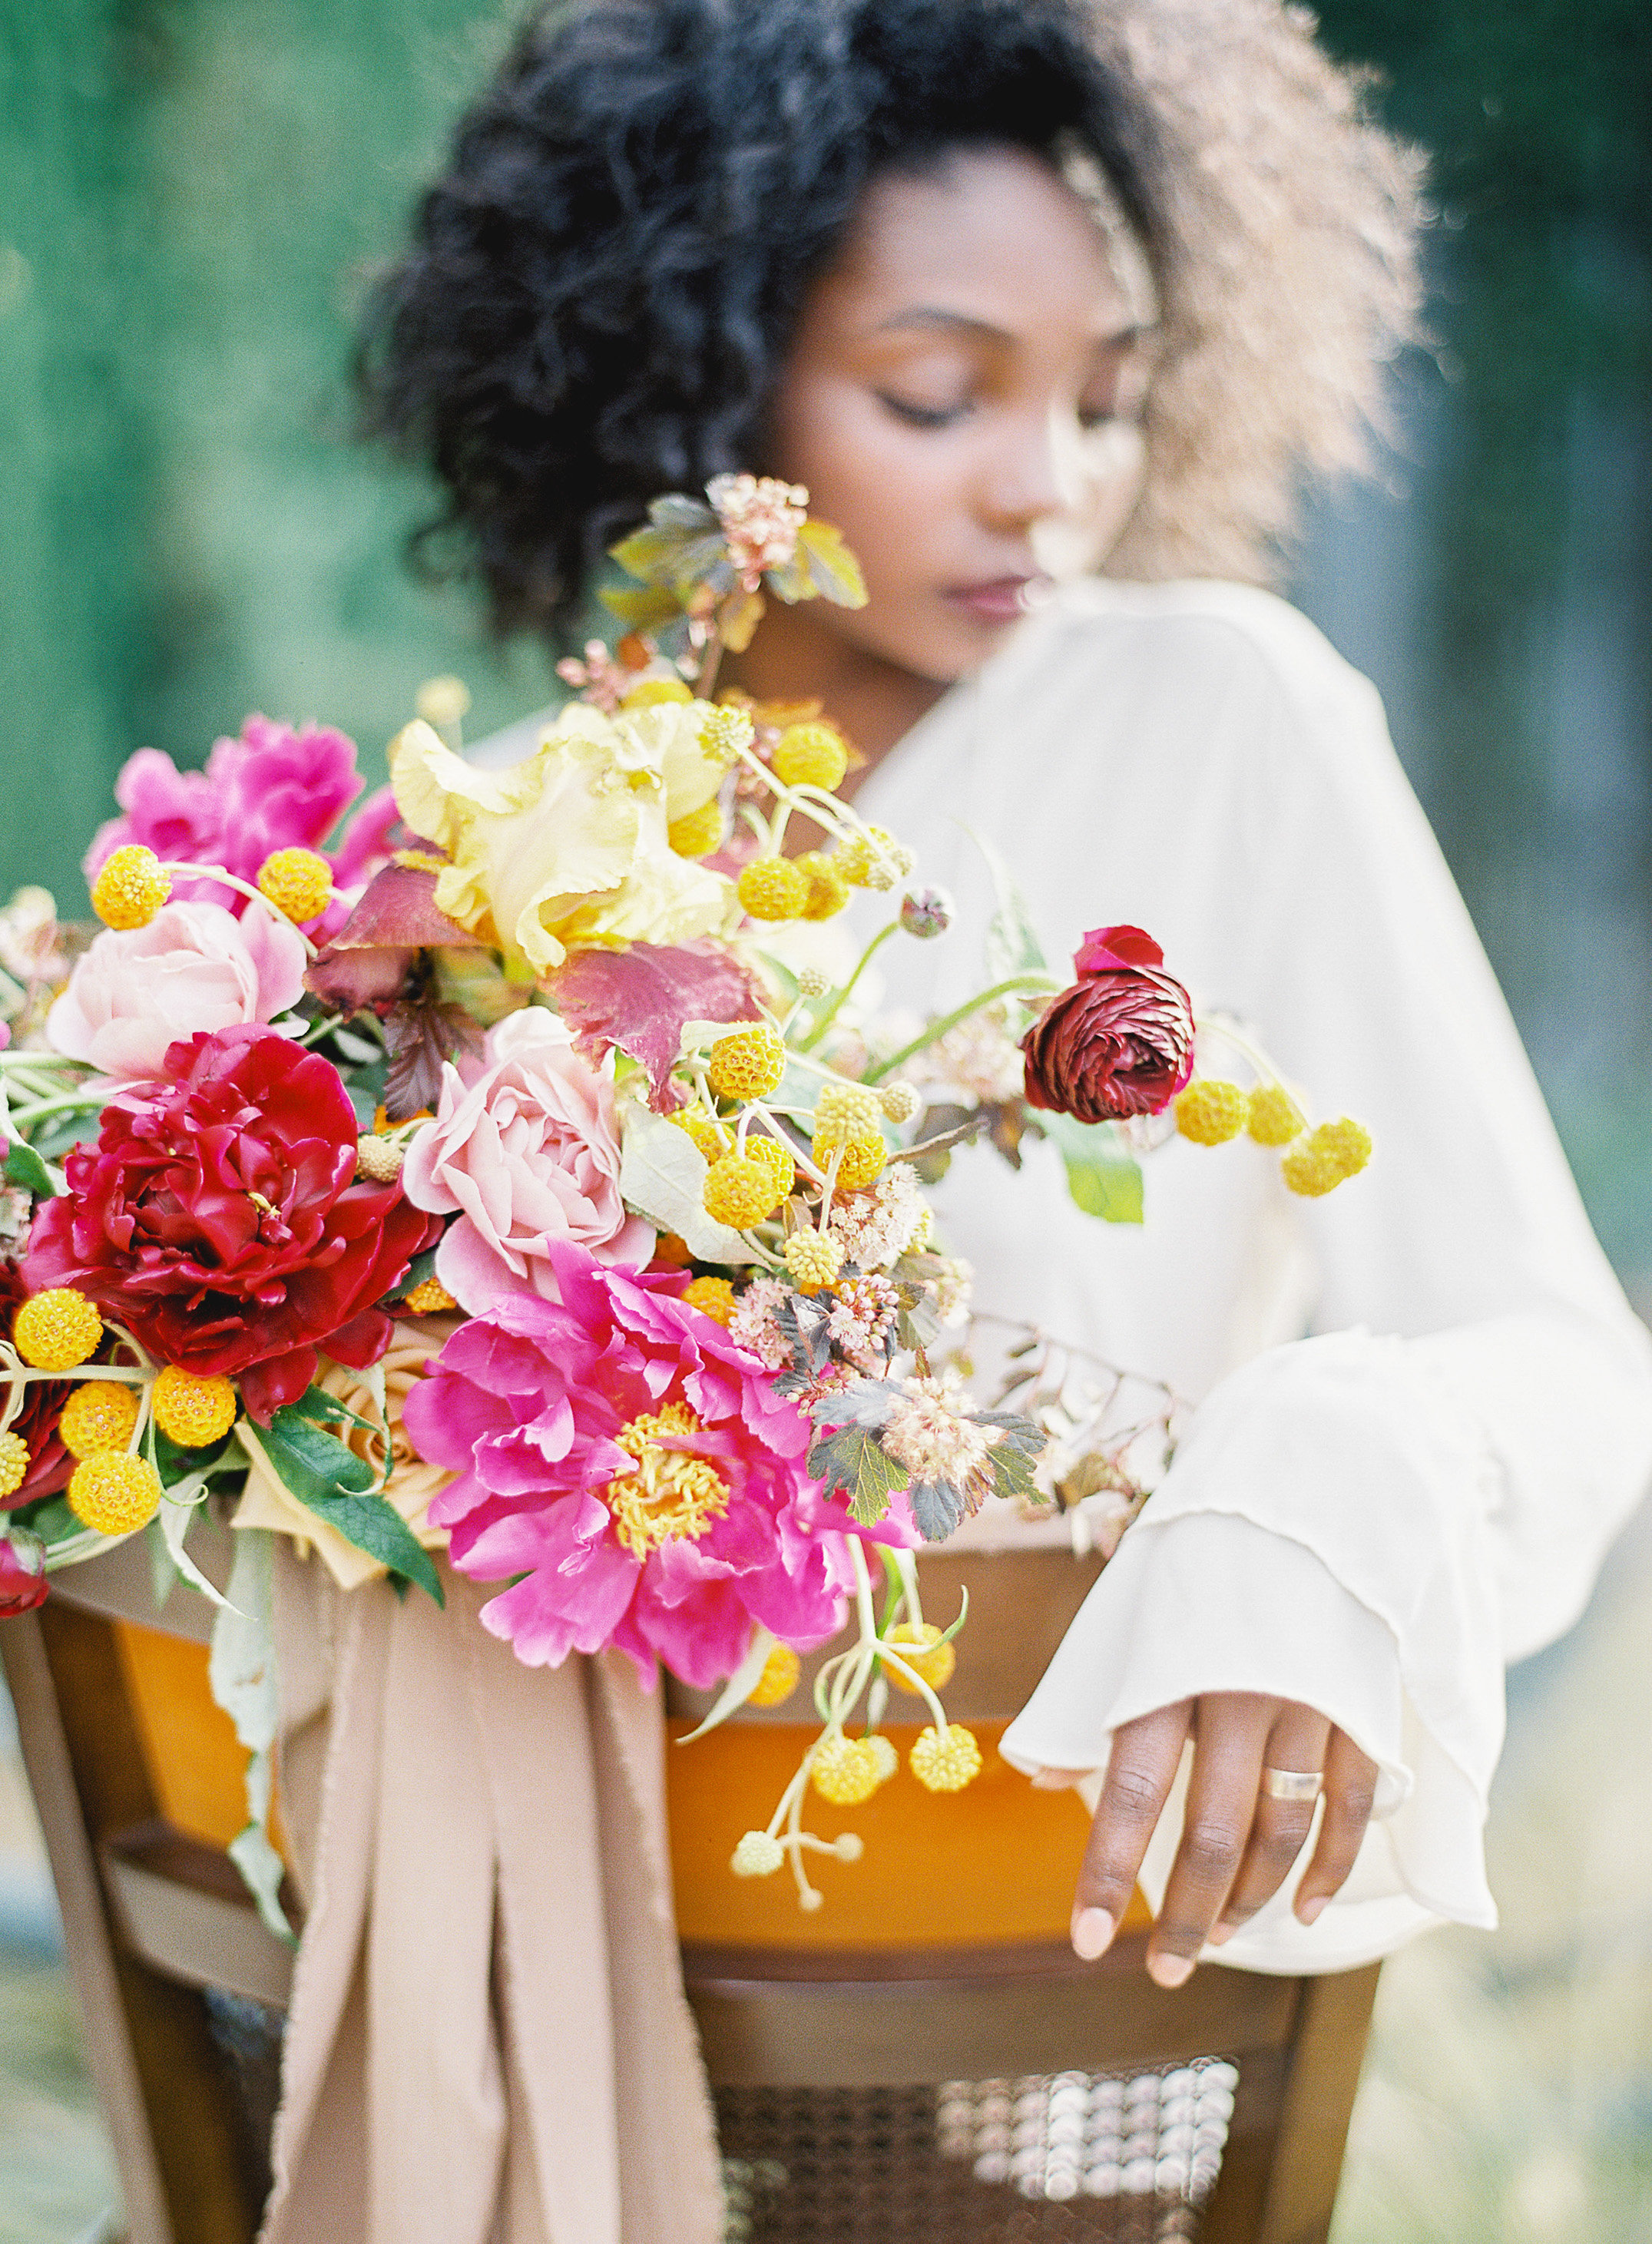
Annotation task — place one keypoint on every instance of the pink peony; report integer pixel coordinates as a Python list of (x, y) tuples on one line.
[(194, 967), (22, 1573), (274, 787), (637, 1471), (525, 1148)]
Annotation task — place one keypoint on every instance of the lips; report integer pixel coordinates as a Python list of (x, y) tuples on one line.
[(1001, 601)]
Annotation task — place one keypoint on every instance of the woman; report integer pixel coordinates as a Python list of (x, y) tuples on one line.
[(1023, 291)]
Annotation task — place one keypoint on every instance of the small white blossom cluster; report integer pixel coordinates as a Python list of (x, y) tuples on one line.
[(876, 1226), (761, 519), (977, 1061), (932, 1433), (753, 1326), (861, 1319), (951, 1289)]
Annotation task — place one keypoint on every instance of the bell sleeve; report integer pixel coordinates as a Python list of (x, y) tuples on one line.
[(1374, 1518)]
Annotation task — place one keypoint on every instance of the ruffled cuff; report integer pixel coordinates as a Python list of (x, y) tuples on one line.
[(1322, 1537)]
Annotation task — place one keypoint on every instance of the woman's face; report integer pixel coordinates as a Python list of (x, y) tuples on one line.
[(961, 402)]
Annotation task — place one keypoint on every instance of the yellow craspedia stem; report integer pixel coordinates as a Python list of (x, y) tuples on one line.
[(192, 1411), (945, 1761), (55, 1330), (845, 1771), (813, 1260), (113, 1494), (827, 894), (98, 1415), (746, 1063), (654, 693), (298, 883), (1276, 1119), (773, 889), (710, 1135), (861, 1158), (779, 1678), (810, 755), (14, 1464), (699, 832), (846, 1109), (924, 1654), (1211, 1112), (429, 1298), (1328, 1156), (740, 1191), (131, 887), (713, 1298)]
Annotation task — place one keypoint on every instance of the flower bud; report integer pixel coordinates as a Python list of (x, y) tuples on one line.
[(926, 912)]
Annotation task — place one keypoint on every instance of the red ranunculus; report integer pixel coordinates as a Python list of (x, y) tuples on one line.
[(23, 1577), (219, 1218), (36, 1424), (1119, 1042)]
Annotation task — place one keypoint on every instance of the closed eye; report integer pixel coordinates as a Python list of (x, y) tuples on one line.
[(921, 416)]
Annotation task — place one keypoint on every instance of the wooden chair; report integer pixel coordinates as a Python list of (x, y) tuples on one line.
[(841, 2076)]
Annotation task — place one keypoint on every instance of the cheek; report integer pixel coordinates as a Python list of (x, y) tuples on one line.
[(893, 492)]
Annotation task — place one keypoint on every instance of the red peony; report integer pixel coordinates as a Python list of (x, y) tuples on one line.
[(22, 1577), (1119, 1042), (219, 1218), (36, 1424)]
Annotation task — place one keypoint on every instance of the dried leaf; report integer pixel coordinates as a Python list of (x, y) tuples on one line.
[(639, 999)]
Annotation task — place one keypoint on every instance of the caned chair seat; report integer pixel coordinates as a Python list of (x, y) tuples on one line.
[(922, 2057)]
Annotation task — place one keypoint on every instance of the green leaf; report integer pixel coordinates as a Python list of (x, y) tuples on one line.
[(331, 1481), (642, 607), (25, 1168), (1102, 1176), (833, 570), (662, 1175), (850, 1459)]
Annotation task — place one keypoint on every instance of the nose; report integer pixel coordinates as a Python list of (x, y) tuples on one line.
[(1037, 471)]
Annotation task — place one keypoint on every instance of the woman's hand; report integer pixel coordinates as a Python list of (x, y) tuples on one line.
[(1238, 1842)]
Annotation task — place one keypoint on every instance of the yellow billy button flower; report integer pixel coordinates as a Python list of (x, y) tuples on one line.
[(428, 1299), (192, 1411), (846, 1109), (924, 1653), (746, 1063), (773, 889), (699, 833), (113, 1494), (130, 888), (725, 732), (710, 1135), (888, 1760), (379, 1159), (1276, 1119), (55, 1330), (873, 859), (14, 1463), (828, 892), (810, 755), (863, 1156), (1326, 1157), (759, 1146), (845, 1771), (945, 1761), (443, 701), (652, 691), (298, 882), (740, 1191), (779, 1678), (98, 1415), (899, 1101), (757, 1856), (813, 1260), (713, 1298), (1210, 1112)]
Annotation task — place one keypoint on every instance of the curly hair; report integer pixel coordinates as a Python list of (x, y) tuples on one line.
[(603, 287)]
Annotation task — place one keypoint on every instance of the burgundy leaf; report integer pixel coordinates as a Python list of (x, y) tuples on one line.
[(419, 1038), (640, 997), (373, 957)]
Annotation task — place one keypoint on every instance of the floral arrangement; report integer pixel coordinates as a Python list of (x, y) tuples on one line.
[(489, 1183)]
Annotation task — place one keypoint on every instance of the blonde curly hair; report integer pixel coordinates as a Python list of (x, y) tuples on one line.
[(1292, 219)]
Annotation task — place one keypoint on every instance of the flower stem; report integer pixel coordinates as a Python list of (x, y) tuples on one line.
[(950, 1021), (861, 964)]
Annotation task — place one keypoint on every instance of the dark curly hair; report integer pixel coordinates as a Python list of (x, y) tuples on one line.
[(603, 287)]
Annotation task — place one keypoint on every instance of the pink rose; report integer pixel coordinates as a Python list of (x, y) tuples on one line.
[(194, 968), (525, 1148)]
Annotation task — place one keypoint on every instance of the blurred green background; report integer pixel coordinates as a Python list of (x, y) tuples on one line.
[(191, 193)]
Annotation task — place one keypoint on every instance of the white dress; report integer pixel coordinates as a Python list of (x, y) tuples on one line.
[(1424, 1405)]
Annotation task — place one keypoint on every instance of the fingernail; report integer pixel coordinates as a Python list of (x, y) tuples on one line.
[(1308, 1911), (1219, 1933), (1092, 1930), (1169, 1971)]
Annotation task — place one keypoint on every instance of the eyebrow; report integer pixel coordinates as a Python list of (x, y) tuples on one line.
[(936, 316)]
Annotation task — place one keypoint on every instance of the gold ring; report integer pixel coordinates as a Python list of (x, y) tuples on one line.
[(1292, 1784)]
